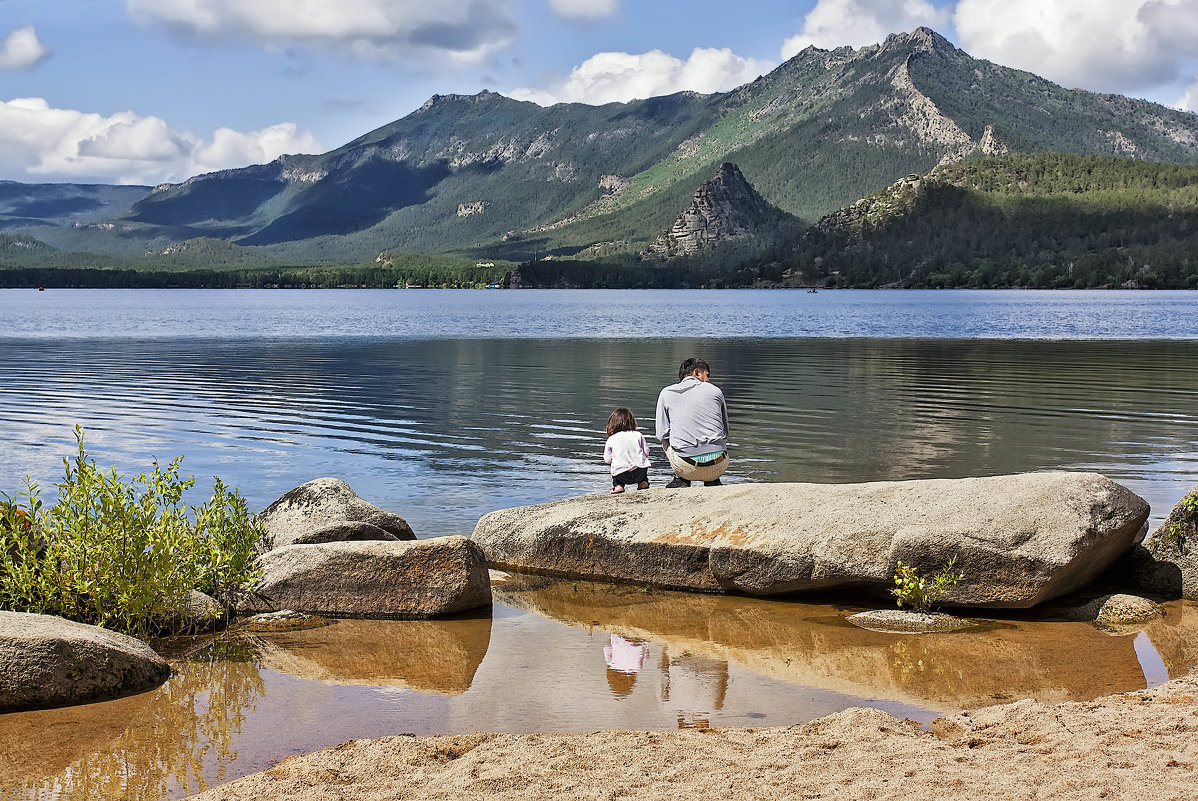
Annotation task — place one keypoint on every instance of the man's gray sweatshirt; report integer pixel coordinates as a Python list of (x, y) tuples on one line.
[(692, 415)]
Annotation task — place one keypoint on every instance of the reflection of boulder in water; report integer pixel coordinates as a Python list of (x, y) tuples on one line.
[(439, 656), (44, 743), (813, 646), (133, 747)]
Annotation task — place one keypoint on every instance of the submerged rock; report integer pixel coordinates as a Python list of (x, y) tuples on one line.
[(1119, 609), (327, 510), (371, 579), (50, 661), (283, 620), (1166, 563), (1019, 540), (902, 621)]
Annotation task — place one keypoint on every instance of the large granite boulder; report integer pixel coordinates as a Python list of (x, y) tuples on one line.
[(327, 510), (415, 579), (1019, 540), (1166, 563), (50, 661)]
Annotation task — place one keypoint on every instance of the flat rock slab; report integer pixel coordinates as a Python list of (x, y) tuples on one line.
[(415, 579), (901, 621), (328, 510), (50, 661), (1018, 540)]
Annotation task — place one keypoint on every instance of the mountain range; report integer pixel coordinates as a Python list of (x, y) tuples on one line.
[(489, 177)]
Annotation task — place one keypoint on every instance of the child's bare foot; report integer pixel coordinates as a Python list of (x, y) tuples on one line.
[(643, 485), (616, 490)]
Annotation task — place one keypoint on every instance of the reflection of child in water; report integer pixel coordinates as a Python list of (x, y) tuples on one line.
[(626, 452), (625, 659)]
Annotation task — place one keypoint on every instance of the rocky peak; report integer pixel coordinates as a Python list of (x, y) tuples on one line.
[(723, 208), (921, 39)]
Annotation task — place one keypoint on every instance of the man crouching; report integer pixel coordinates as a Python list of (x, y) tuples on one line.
[(692, 424)]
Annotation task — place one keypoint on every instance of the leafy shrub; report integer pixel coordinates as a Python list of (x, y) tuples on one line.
[(122, 553), (921, 593)]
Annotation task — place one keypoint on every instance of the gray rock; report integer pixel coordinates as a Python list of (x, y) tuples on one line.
[(1019, 540), (414, 579), (201, 613), (283, 620), (50, 661), (1166, 563), (1119, 609), (724, 208), (327, 510), (902, 621)]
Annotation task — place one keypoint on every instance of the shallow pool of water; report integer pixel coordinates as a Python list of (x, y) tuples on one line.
[(556, 656)]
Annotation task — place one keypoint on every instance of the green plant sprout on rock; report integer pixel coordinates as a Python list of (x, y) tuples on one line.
[(122, 553), (921, 593)]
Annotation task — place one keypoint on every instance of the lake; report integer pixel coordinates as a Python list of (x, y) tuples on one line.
[(443, 405)]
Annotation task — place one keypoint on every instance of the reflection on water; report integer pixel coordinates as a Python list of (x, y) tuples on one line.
[(171, 741), (557, 656), (421, 413), (442, 431), (813, 646), (693, 687), (433, 656)]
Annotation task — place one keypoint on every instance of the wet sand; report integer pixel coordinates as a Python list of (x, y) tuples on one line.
[(1138, 745)]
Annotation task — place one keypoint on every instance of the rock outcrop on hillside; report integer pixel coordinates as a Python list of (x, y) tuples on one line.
[(1018, 540), (724, 208)]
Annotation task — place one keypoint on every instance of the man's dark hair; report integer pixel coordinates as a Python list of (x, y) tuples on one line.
[(691, 365)]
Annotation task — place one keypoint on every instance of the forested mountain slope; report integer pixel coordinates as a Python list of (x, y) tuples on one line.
[(1046, 220), (493, 178)]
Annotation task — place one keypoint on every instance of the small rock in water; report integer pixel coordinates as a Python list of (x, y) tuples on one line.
[(283, 620), (899, 621), (1120, 609)]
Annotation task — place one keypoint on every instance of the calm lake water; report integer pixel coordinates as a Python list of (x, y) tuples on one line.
[(443, 405)]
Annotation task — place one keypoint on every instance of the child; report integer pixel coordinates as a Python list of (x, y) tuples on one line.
[(626, 452)]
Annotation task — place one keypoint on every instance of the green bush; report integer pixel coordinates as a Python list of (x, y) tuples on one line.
[(921, 593), (122, 553)]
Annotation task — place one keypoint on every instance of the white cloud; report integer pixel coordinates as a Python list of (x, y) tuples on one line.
[(620, 77), (377, 29), (22, 50), (585, 9), (1113, 45), (1189, 100), (835, 23), (230, 148), (41, 143)]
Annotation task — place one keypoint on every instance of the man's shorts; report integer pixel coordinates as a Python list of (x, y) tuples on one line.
[(686, 469)]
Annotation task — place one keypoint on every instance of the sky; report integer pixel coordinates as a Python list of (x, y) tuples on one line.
[(155, 91)]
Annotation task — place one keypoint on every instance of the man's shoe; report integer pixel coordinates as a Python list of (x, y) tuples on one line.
[(715, 483), (678, 482)]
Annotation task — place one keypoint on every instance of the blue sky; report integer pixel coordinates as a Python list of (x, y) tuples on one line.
[(152, 91)]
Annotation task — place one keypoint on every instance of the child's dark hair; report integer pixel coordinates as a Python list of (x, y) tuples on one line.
[(621, 420)]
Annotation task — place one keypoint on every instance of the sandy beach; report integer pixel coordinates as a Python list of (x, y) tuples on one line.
[(1140, 745)]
